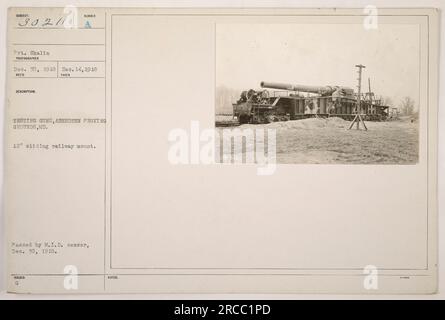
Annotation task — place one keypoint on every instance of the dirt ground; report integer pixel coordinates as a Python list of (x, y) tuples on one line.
[(329, 141)]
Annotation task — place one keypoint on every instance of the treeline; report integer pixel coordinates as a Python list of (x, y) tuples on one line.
[(225, 97), (406, 106)]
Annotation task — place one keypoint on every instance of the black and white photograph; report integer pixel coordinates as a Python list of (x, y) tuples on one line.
[(342, 94), (214, 152)]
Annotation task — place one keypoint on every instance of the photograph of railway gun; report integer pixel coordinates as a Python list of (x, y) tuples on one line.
[(333, 95)]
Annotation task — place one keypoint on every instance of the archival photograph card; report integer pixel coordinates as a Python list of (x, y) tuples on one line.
[(221, 150)]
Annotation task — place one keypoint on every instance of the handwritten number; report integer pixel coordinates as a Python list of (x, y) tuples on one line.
[(25, 23), (44, 22), (47, 22), (61, 21)]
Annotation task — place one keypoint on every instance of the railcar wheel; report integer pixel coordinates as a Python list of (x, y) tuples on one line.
[(244, 118)]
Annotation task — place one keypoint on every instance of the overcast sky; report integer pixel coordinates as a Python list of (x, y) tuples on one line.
[(320, 54)]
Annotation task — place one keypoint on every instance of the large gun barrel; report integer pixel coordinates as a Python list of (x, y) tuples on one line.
[(323, 90)]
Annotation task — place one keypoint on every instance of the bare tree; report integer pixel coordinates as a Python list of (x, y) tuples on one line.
[(387, 101), (224, 99), (407, 106)]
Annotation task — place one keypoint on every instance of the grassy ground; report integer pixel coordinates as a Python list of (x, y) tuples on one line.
[(329, 141)]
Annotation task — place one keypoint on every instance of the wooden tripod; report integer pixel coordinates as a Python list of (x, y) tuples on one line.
[(358, 117)]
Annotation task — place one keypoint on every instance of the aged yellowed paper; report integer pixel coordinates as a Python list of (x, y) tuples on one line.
[(221, 150)]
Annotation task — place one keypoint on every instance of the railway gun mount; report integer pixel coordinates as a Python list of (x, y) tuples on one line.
[(283, 102)]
